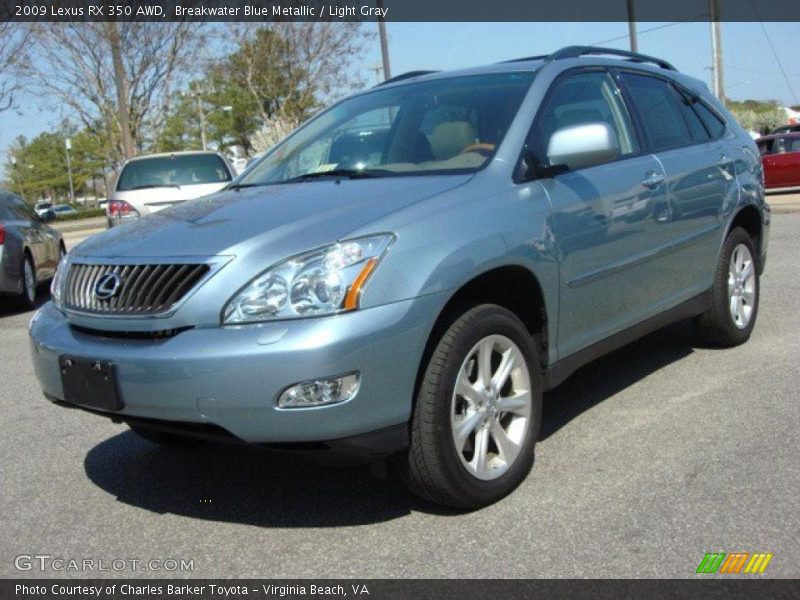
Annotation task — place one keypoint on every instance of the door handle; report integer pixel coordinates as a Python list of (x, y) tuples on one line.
[(652, 180)]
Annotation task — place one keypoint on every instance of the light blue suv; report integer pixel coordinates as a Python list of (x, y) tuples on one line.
[(409, 271)]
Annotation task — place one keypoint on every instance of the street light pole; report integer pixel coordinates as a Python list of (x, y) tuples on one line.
[(68, 145), (14, 166), (202, 112)]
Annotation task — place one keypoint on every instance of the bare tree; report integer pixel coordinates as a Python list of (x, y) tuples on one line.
[(75, 64), (14, 47), (289, 67)]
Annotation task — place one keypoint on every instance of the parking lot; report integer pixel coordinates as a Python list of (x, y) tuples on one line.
[(648, 459)]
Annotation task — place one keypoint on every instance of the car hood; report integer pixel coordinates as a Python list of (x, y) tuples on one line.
[(273, 221)]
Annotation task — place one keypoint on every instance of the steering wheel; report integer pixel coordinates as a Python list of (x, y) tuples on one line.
[(480, 148)]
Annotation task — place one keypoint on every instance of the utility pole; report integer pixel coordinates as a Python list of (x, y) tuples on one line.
[(632, 27), (718, 78), (68, 146), (387, 69), (123, 110)]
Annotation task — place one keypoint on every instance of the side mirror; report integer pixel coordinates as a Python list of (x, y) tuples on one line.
[(580, 146)]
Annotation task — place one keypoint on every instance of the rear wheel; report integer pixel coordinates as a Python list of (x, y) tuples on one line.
[(27, 298), (730, 319), (478, 411), (163, 438)]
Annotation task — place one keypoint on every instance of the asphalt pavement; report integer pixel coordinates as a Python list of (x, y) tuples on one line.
[(648, 459)]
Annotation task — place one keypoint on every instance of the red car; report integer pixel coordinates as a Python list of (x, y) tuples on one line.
[(780, 155)]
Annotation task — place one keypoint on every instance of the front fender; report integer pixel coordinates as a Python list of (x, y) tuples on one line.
[(444, 243)]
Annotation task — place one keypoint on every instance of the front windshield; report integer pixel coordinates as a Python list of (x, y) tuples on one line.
[(172, 171), (444, 125)]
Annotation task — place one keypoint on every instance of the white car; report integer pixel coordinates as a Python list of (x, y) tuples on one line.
[(151, 183), (42, 208)]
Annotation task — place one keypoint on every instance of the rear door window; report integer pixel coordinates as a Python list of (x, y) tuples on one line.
[(659, 111)]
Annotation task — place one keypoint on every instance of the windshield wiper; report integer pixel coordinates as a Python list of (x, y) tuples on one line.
[(239, 186), (334, 174), (153, 185), (339, 173)]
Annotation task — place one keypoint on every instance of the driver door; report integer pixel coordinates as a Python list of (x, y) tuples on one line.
[(608, 220)]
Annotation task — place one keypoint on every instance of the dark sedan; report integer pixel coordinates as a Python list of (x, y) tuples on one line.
[(29, 250)]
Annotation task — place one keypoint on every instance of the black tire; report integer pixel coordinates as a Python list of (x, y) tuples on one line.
[(431, 466), (716, 327), (27, 299), (165, 439)]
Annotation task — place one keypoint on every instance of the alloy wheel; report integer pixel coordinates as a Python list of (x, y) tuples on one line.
[(491, 407), (741, 286)]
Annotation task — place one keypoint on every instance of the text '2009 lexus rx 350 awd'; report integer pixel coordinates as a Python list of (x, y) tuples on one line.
[(410, 270)]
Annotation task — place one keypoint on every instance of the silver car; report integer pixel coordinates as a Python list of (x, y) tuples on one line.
[(29, 250), (148, 184)]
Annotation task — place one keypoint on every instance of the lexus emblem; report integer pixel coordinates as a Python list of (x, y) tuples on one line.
[(107, 286)]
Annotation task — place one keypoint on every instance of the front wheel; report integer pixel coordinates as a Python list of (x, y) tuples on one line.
[(477, 413), (730, 319)]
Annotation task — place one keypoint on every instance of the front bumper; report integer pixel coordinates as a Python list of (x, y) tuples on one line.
[(231, 377)]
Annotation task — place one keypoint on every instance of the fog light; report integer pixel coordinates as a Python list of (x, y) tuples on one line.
[(319, 392)]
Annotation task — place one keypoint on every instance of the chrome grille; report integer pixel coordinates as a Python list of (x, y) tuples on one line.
[(144, 289)]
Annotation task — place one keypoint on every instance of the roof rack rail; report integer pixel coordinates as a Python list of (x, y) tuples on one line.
[(407, 75), (577, 51), (525, 58)]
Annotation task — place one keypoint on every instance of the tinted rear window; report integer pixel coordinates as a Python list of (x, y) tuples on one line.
[(658, 107), (171, 171)]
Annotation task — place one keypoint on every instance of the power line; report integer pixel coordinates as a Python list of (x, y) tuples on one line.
[(641, 31), (774, 53), (749, 70), (625, 37), (778, 60)]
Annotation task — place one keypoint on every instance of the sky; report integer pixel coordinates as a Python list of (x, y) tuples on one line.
[(751, 69)]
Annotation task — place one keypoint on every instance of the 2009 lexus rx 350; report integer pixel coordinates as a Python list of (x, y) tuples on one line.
[(410, 270)]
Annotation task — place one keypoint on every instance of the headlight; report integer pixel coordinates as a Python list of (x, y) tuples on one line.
[(320, 282), (57, 285)]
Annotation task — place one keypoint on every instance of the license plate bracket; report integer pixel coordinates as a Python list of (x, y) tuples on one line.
[(90, 382)]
